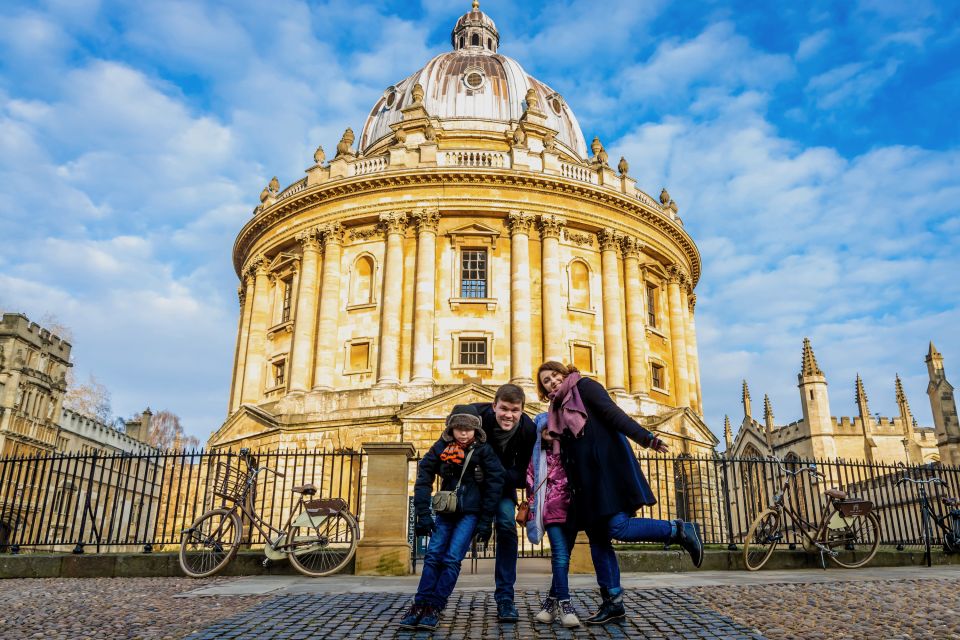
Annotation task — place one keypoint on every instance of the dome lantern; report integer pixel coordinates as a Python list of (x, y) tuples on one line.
[(475, 30)]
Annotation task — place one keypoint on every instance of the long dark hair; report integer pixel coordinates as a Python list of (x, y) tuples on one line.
[(553, 365)]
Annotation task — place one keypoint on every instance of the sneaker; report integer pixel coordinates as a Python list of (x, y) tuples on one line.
[(430, 618), (411, 618), (568, 615), (546, 611), (506, 612), (610, 609)]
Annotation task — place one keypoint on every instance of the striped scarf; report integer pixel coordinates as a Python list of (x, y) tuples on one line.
[(454, 453)]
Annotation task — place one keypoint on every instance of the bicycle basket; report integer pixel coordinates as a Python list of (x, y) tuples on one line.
[(229, 482), (855, 507)]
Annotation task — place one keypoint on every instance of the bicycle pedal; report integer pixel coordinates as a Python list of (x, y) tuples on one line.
[(266, 563)]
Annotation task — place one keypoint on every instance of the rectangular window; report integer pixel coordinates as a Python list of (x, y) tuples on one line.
[(360, 356), (473, 273), (287, 296), (473, 352), (279, 372), (652, 306), (656, 376), (583, 357)]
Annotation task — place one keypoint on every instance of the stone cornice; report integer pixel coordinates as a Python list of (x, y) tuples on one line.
[(334, 191)]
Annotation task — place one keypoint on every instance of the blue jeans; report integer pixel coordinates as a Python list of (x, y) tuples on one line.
[(505, 567), (562, 539), (441, 566), (621, 527)]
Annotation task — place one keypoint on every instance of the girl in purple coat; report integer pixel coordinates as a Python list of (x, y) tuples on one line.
[(549, 497)]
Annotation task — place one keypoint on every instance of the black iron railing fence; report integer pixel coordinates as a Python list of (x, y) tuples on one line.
[(120, 502)]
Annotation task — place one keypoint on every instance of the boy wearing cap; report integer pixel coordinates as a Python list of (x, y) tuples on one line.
[(480, 482)]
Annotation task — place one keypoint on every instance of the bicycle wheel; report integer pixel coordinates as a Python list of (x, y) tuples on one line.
[(951, 538), (856, 541), (762, 539), (326, 547), (210, 543)]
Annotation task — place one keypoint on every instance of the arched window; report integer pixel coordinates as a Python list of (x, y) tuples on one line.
[(475, 40), (579, 285), (361, 280), (461, 42), (489, 44)]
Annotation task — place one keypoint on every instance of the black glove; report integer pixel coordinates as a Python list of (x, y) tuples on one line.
[(425, 525), (483, 532)]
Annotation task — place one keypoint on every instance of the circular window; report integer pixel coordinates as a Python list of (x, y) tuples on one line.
[(556, 104), (473, 79), (391, 97)]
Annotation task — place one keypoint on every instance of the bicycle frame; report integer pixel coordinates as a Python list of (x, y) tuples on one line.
[(783, 505)]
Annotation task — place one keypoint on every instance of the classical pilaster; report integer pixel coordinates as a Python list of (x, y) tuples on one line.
[(636, 330), (388, 373), (552, 310), (693, 358), (332, 238), (612, 318), (305, 320), (427, 221), (257, 337), (521, 357), (678, 345), (245, 293)]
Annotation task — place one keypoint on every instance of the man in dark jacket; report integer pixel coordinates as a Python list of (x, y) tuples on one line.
[(512, 435)]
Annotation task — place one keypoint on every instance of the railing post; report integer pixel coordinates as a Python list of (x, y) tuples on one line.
[(731, 545), (86, 505), (384, 548)]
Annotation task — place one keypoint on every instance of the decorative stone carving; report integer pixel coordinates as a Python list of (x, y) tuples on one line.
[(401, 136), (519, 137), (417, 94), (623, 166), (319, 156), (426, 220), (257, 265), (630, 247), (579, 239), (677, 275), (274, 186), (550, 226), (664, 196), (609, 239), (533, 101), (366, 233), (549, 141), (519, 222), (241, 295), (692, 301), (668, 202), (430, 133), (393, 222), (599, 153), (309, 238), (344, 146), (332, 233)]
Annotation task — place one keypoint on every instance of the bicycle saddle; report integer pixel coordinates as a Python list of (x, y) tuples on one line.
[(836, 494), (306, 489), (950, 502)]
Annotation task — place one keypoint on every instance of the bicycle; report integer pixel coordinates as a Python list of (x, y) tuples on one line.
[(846, 525), (319, 538), (951, 530)]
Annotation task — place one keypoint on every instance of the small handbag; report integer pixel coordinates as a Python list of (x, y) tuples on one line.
[(446, 501), (523, 511)]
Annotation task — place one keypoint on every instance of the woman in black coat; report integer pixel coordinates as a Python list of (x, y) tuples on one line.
[(604, 475)]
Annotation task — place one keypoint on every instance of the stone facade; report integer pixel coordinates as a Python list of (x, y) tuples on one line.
[(471, 236)]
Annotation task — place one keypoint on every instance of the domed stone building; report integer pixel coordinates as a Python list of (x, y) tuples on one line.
[(469, 235)]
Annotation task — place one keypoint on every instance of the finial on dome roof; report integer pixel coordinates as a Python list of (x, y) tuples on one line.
[(476, 5)]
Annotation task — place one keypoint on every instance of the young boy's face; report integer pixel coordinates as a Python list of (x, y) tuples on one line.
[(462, 435)]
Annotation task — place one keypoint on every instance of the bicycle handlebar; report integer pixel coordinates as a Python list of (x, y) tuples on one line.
[(809, 469), (933, 480), (252, 464)]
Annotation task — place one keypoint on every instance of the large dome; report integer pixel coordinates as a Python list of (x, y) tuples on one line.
[(473, 88)]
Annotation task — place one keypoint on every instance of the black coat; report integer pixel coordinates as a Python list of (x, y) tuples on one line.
[(482, 482), (516, 455), (602, 470)]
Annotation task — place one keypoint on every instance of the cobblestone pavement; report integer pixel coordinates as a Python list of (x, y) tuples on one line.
[(656, 613), (108, 608), (888, 609)]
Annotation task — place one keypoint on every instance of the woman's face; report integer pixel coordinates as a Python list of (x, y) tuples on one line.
[(463, 436), (551, 380)]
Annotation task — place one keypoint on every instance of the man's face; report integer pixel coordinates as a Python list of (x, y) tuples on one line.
[(507, 414)]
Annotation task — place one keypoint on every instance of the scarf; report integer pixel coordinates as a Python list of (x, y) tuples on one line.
[(502, 437), (535, 526), (454, 452), (566, 412)]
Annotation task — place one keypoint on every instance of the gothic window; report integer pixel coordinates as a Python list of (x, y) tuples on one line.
[(579, 285), (652, 306), (473, 273), (361, 280)]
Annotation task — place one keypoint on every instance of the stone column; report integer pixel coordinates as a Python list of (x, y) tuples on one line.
[(678, 343), (384, 550), (388, 373), (427, 222), (612, 320), (636, 327), (325, 358), (257, 337), (245, 293), (550, 288), (521, 357), (693, 358), (305, 320)]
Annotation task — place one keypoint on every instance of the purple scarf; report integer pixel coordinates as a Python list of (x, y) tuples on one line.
[(566, 412)]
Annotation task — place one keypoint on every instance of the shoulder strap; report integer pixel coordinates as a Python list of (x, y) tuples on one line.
[(466, 461)]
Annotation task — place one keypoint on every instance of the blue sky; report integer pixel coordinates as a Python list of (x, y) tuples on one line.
[(813, 149)]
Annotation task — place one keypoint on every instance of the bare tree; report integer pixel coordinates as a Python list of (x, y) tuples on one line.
[(166, 432), (91, 398)]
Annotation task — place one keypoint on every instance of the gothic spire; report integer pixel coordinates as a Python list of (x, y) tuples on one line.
[(809, 365), (767, 410), (861, 399), (727, 433), (745, 398)]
